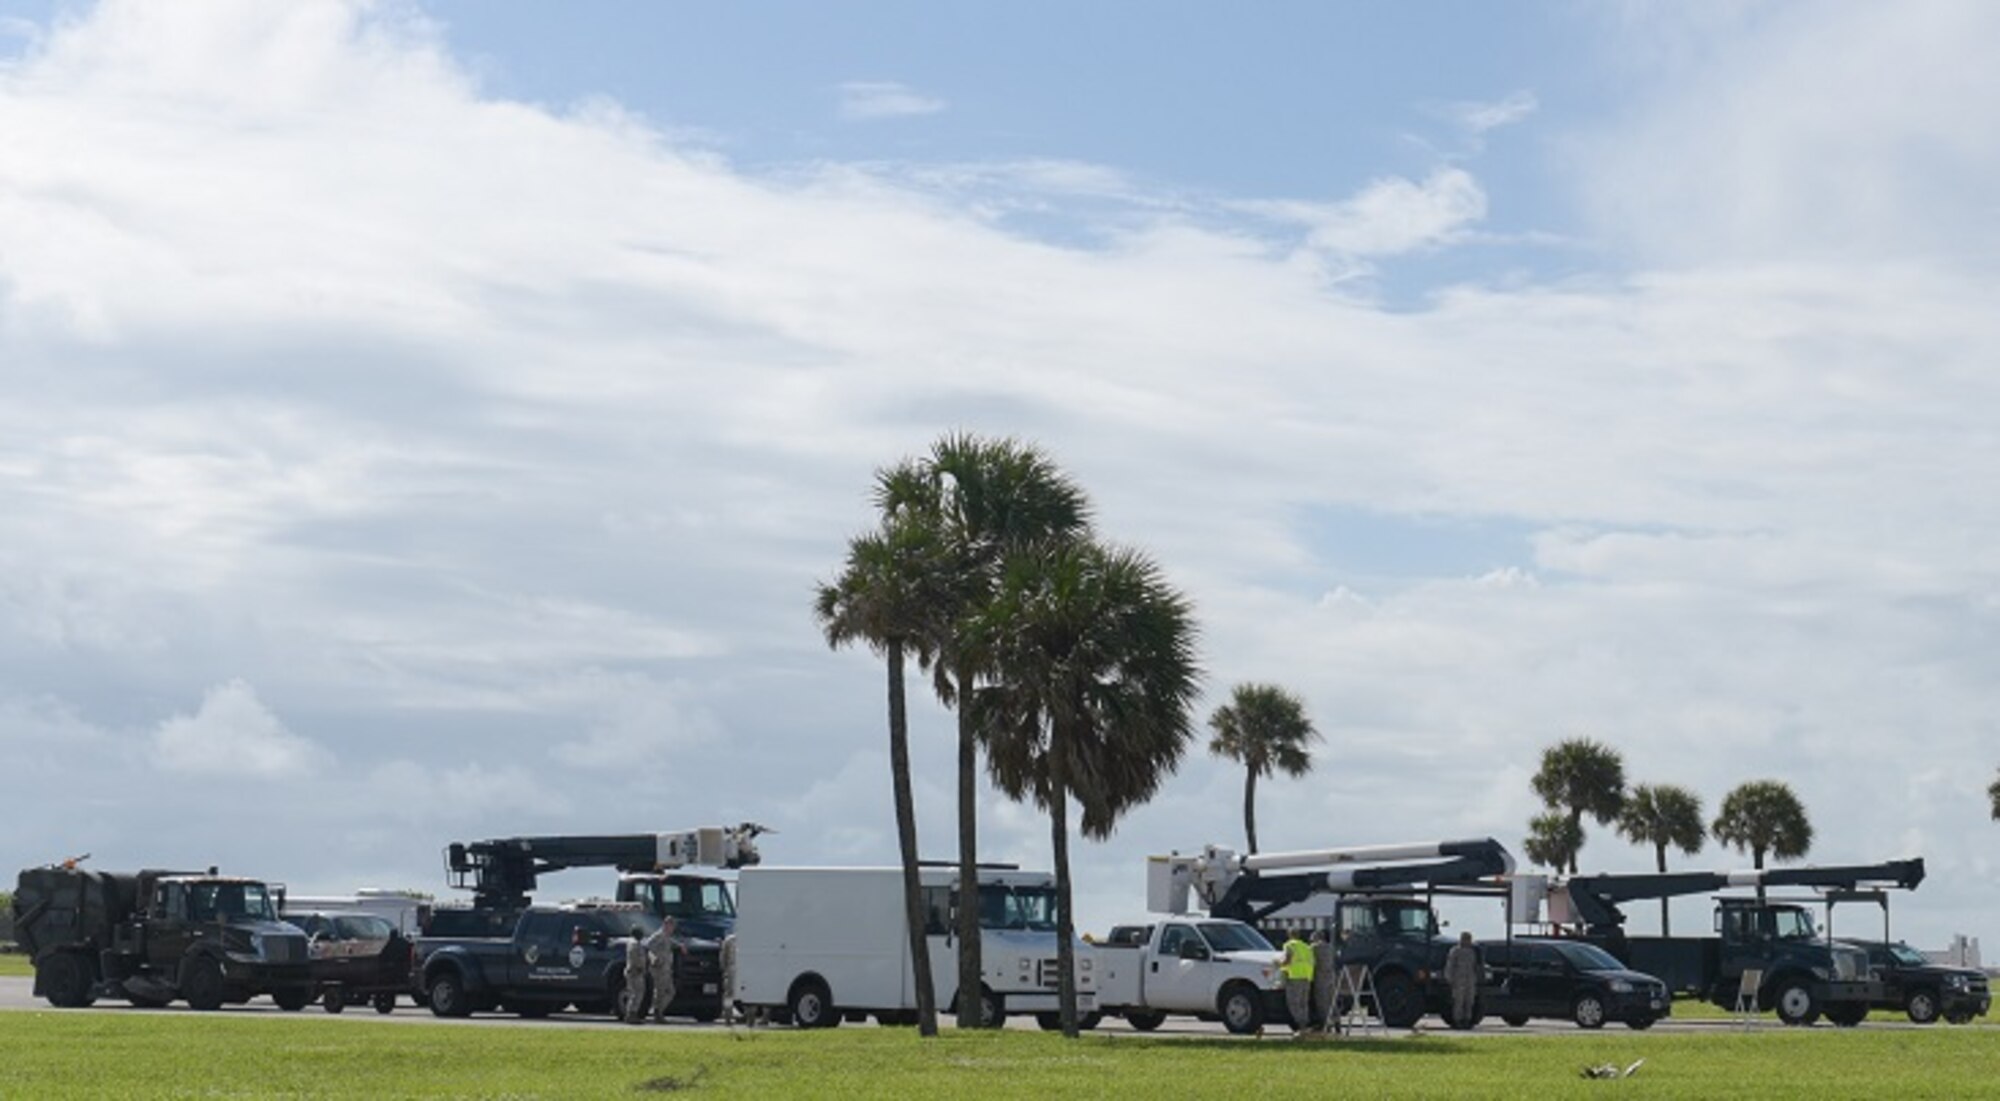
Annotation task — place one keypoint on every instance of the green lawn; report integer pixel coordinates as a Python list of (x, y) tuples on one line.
[(15, 965), (57, 1054)]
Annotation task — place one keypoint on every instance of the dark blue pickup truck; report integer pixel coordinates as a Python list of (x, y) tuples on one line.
[(555, 958)]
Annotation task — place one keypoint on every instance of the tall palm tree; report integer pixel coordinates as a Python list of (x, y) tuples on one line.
[(1265, 729), (1580, 777), (887, 597), (1552, 840), (1093, 701), (1763, 816), (987, 498), (1661, 815)]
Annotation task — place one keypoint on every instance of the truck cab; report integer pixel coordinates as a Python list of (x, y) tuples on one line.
[(1399, 940), (1804, 976), (701, 905)]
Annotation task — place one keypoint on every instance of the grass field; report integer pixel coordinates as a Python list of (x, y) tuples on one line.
[(15, 965), (55, 1054)]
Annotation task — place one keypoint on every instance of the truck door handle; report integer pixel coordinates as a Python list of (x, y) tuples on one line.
[(1156, 967)]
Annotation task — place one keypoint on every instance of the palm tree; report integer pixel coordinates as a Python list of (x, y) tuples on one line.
[(1763, 816), (1552, 840), (1093, 701), (1662, 815), (887, 597), (1581, 777), (987, 499), (1993, 793), (1264, 728)]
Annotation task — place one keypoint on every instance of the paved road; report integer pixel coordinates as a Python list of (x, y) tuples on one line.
[(17, 994)]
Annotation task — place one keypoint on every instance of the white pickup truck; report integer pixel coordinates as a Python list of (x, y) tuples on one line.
[(1211, 968)]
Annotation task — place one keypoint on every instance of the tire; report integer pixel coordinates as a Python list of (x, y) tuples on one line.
[(66, 980), (334, 1001), (1922, 1006), (291, 999), (1518, 1020), (1795, 1003), (1049, 1022), (1089, 1021), (1145, 1020), (1640, 1024), (992, 1011), (1242, 1010), (1397, 1000), (812, 1005), (201, 984), (384, 1003), (1847, 1016), (1959, 1018), (448, 996), (1587, 1011)]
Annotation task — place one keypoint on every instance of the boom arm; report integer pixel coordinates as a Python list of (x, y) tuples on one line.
[(501, 872), (1249, 887), (1596, 897)]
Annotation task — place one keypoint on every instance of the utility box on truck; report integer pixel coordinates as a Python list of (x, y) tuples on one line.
[(153, 936), (821, 944)]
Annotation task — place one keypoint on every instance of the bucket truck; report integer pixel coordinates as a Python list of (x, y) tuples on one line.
[(1796, 972)]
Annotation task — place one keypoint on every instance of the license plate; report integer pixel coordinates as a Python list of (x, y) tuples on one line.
[(1656, 1003)]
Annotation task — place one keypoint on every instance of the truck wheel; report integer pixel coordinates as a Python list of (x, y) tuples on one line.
[(201, 985), (1397, 999), (1145, 1020), (1640, 1024), (1588, 1012), (1049, 1022), (1796, 1004), (1087, 1021), (1518, 1020), (385, 1003), (448, 997), (1242, 1011), (1922, 1006), (812, 1005), (66, 981), (1847, 1016), (291, 999), (333, 1002)]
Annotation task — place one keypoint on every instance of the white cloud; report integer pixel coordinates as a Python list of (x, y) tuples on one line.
[(1478, 117), (879, 99), (1390, 216), (233, 734)]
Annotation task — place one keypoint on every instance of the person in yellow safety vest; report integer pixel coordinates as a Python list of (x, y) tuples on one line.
[(1298, 968)]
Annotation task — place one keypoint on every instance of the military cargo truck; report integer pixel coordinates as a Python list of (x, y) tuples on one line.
[(153, 936)]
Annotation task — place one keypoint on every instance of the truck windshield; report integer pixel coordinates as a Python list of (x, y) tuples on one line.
[(1004, 907), (230, 902), (1908, 956), (1230, 936), (687, 898), (1791, 924), (1411, 919)]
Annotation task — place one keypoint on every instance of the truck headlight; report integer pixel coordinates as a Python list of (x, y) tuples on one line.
[(1956, 982), (1620, 986)]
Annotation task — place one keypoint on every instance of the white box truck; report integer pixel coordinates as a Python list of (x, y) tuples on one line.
[(819, 945)]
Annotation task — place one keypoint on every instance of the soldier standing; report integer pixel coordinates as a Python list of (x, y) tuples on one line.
[(1461, 970), (633, 997), (728, 954), (660, 954)]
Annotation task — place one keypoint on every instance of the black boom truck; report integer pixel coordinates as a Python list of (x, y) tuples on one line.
[(153, 936), (1798, 973)]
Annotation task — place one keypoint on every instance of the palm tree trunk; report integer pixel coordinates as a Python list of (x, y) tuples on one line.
[(1065, 924), (1576, 830), (906, 839), (1757, 862), (969, 961), (1250, 807), (1660, 861)]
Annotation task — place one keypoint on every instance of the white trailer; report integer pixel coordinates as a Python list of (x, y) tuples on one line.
[(823, 944)]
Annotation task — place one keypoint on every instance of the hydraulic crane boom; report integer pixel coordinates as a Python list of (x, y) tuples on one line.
[(503, 871), (1595, 898), (1248, 887)]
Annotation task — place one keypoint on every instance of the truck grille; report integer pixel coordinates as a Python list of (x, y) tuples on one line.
[(284, 949), (1047, 974)]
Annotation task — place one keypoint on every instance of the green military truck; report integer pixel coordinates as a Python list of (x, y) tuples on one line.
[(154, 936)]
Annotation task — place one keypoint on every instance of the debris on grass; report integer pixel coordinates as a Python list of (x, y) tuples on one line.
[(667, 1083)]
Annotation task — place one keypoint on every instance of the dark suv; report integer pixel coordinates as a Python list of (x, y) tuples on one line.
[(1567, 979), (1922, 989)]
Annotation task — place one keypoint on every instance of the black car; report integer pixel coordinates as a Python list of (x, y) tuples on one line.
[(1549, 977), (1922, 989)]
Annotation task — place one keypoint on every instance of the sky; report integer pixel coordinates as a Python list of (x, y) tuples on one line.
[(422, 422)]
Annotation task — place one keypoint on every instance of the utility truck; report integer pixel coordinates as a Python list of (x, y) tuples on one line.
[(816, 946), (1796, 972), (153, 936), (1214, 969), (1377, 923)]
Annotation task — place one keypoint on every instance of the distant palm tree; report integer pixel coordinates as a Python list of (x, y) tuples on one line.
[(1553, 839), (987, 499), (887, 597), (1993, 793), (1093, 702), (1662, 815), (1763, 816), (1265, 729), (1580, 777)]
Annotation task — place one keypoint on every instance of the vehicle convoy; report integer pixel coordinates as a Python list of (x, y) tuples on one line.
[(555, 957), (502, 873), (1214, 969), (818, 945), (357, 959), (1376, 924), (1797, 973), (1569, 980), (1922, 989), (153, 936)]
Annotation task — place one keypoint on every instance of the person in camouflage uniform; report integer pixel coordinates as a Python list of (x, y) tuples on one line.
[(660, 959), (633, 998)]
